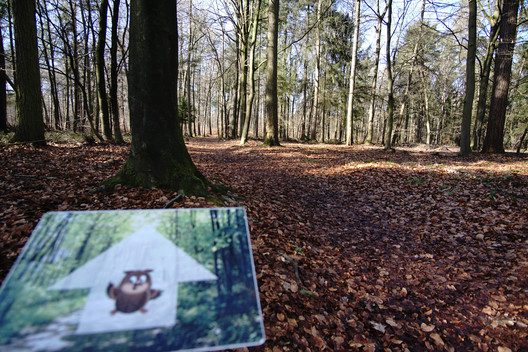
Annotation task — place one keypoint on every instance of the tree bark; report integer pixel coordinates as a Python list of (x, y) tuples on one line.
[(352, 80), (272, 100), (114, 104), (390, 82), (3, 92), (158, 155), (485, 72), (251, 72), (493, 143), (315, 106), (370, 127), (465, 136), (29, 96), (100, 70)]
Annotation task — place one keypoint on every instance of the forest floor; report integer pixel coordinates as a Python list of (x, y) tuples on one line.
[(356, 248)]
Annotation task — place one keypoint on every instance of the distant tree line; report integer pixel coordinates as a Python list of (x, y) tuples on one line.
[(413, 72)]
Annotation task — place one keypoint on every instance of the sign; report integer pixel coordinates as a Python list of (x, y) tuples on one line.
[(178, 279)]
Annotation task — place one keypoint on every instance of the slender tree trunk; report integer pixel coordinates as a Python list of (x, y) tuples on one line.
[(114, 103), (3, 92), (521, 140), (50, 60), (305, 100), (373, 88), (493, 143), (390, 82), (74, 66), (352, 80), (426, 110), (315, 106), (465, 136), (30, 126), (100, 70), (251, 72), (272, 100), (235, 102)]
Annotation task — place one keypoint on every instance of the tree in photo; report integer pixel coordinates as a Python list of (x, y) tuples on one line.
[(158, 155), (30, 126)]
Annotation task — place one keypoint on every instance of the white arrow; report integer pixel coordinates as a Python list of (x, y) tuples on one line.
[(145, 249)]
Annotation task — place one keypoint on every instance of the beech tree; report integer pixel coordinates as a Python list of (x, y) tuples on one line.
[(465, 136), (3, 94), (272, 100), (104, 113), (494, 141), (350, 103), (158, 155), (29, 97), (390, 82)]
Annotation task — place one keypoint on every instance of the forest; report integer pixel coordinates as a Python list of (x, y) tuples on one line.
[(340, 77), (377, 147)]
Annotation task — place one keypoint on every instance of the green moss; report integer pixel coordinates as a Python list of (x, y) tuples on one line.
[(271, 142)]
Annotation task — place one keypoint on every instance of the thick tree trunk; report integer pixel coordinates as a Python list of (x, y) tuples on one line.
[(485, 72), (272, 100), (465, 136), (29, 97), (158, 155), (493, 143)]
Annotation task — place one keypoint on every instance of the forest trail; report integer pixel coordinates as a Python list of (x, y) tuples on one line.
[(355, 247)]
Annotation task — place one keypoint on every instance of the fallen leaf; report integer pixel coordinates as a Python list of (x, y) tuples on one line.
[(427, 328), (437, 339), (378, 326)]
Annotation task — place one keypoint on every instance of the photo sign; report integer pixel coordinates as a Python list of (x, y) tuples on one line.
[(133, 280)]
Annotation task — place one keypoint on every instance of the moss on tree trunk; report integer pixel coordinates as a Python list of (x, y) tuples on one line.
[(158, 155)]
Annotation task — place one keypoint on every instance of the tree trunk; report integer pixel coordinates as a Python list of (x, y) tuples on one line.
[(352, 80), (100, 70), (3, 93), (251, 72), (188, 75), (29, 97), (465, 136), (50, 61), (235, 101), (158, 155), (373, 88), (74, 65), (390, 82), (405, 100), (493, 143), (315, 106), (272, 100), (114, 103), (484, 80)]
